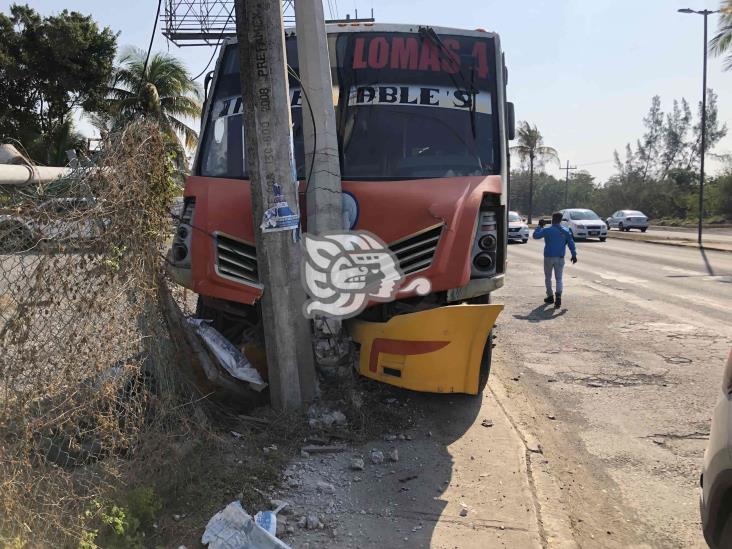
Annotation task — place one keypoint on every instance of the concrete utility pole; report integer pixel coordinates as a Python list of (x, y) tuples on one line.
[(324, 188), (267, 133), (324, 195), (566, 184)]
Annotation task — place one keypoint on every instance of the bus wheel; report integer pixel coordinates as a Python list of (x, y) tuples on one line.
[(485, 363)]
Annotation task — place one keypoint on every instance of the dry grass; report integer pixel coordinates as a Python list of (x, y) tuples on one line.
[(85, 366)]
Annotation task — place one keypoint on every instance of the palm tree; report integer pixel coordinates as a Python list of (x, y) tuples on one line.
[(161, 90), (722, 42), (531, 148)]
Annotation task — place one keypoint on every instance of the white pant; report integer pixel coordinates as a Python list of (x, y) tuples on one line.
[(556, 264)]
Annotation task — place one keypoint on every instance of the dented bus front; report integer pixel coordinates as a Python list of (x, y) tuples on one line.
[(423, 127)]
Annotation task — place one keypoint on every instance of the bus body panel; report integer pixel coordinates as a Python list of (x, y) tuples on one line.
[(391, 210)]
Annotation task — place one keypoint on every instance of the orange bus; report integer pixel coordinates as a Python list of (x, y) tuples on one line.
[(423, 130)]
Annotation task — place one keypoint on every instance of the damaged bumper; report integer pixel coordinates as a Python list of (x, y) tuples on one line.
[(437, 351)]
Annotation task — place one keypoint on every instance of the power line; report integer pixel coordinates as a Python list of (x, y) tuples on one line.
[(152, 36), (218, 43), (595, 163)]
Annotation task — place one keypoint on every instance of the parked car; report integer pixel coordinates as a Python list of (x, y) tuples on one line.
[(625, 220), (716, 478), (58, 219), (584, 224), (517, 228)]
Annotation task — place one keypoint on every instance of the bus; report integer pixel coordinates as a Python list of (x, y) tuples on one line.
[(423, 129)]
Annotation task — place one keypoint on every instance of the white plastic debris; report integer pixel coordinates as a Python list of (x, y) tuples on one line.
[(233, 528), (231, 358)]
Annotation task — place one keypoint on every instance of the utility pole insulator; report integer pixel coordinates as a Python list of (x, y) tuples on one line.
[(267, 133)]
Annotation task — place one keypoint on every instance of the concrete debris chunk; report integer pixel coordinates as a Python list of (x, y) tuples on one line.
[(357, 464), (394, 455), (312, 522), (377, 457), (325, 487)]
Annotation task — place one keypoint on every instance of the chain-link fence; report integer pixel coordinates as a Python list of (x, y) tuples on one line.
[(85, 355)]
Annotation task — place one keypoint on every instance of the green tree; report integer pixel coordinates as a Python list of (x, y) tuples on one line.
[(531, 150), (162, 91), (49, 67), (722, 41)]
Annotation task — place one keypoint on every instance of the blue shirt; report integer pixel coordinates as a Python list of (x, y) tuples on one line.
[(556, 239)]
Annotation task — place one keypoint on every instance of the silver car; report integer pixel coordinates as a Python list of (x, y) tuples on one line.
[(716, 478), (625, 220), (517, 228)]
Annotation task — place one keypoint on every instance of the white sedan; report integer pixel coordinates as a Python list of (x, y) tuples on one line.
[(584, 224), (625, 220), (517, 228)]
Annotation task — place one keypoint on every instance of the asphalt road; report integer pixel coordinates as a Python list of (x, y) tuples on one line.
[(619, 384)]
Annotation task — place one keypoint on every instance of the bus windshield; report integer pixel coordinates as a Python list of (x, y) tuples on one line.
[(408, 106)]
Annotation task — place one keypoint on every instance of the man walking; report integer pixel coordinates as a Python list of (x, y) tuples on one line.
[(556, 239)]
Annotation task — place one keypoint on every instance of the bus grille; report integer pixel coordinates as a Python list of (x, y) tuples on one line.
[(415, 253), (236, 259)]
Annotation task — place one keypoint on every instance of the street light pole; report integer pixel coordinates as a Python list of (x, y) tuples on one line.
[(703, 131), (705, 13)]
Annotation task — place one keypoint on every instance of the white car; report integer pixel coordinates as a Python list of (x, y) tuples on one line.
[(716, 478), (584, 224), (625, 220), (517, 228)]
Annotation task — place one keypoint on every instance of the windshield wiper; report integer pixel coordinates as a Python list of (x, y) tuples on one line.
[(430, 34)]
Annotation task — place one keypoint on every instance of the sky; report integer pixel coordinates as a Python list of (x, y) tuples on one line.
[(583, 71)]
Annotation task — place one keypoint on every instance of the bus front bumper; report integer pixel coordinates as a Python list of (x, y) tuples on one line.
[(436, 351)]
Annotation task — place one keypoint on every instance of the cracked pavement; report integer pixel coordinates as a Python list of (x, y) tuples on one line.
[(630, 369)]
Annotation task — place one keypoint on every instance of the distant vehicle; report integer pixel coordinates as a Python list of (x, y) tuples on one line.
[(625, 220), (716, 478), (59, 219), (517, 228), (584, 224)]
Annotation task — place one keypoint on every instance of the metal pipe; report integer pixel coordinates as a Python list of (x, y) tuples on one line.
[(21, 175)]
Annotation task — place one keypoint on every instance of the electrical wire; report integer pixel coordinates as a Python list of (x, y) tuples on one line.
[(152, 36), (312, 117), (216, 48)]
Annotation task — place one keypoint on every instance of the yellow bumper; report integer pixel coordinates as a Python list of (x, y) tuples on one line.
[(437, 351)]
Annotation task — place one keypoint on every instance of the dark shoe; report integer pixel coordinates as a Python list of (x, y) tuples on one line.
[(558, 302), (549, 299)]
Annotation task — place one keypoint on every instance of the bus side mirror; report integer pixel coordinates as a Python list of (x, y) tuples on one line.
[(206, 84), (510, 121)]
